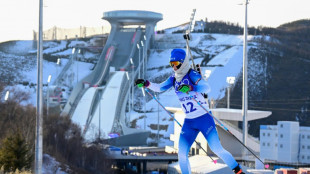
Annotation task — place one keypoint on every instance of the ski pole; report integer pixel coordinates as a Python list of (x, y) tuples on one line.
[(187, 37), (219, 122), (214, 161)]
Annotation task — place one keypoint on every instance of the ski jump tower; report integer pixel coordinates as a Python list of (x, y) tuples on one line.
[(129, 28), (121, 53)]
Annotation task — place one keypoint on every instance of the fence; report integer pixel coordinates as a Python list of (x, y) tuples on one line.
[(57, 33)]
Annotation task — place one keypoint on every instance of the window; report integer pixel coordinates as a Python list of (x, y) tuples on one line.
[(268, 144), (268, 134), (308, 147), (281, 145), (303, 157), (276, 135), (264, 134), (308, 136), (302, 146), (303, 136), (281, 135), (281, 125), (308, 157), (276, 144), (193, 151)]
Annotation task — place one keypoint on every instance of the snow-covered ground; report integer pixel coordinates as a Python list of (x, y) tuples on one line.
[(51, 166)]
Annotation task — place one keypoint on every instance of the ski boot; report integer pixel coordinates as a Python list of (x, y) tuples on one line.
[(238, 170)]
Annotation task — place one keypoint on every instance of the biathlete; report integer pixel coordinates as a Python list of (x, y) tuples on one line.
[(186, 80)]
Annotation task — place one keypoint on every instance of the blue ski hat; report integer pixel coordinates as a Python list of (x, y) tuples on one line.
[(177, 55)]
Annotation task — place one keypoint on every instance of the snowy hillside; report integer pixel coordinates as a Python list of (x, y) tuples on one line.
[(219, 53), (24, 58)]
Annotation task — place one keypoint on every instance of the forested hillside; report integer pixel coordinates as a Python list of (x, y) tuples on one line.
[(284, 82)]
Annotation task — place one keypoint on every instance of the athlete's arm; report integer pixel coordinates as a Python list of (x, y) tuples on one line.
[(162, 86), (200, 84), (202, 87)]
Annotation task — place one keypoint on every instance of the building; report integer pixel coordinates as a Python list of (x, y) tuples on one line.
[(285, 142), (304, 146), (269, 143), (199, 26)]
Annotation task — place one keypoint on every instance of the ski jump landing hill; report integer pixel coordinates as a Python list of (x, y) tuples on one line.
[(98, 102)]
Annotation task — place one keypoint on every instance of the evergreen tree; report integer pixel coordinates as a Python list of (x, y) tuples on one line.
[(15, 153)]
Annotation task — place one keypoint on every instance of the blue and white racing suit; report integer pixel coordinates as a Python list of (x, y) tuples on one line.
[(196, 120)]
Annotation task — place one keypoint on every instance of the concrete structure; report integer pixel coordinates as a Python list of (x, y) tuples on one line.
[(230, 118), (128, 29), (285, 142)]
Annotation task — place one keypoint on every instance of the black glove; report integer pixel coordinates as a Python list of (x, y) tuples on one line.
[(142, 83)]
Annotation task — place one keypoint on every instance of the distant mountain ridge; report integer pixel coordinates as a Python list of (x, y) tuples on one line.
[(303, 23)]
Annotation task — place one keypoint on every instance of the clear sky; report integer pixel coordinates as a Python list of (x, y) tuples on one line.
[(20, 17)]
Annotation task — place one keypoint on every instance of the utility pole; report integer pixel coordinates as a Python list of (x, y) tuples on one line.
[(129, 104), (157, 123), (48, 95), (245, 77), (132, 85), (143, 76), (230, 81), (39, 109), (145, 54), (139, 60)]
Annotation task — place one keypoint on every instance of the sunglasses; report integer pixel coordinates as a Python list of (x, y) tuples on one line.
[(176, 63)]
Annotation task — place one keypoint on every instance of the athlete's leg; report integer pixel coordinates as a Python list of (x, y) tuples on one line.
[(187, 137), (210, 133)]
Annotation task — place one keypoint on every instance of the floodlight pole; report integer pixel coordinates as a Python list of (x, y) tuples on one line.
[(48, 95), (157, 122), (228, 96), (132, 85), (245, 78), (57, 66), (143, 76), (101, 92), (230, 81), (77, 67), (139, 60), (39, 107), (145, 53), (129, 104)]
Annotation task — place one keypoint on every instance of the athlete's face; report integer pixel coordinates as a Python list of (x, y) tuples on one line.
[(175, 65)]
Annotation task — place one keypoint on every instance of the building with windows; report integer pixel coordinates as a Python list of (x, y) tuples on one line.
[(304, 156), (285, 142)]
